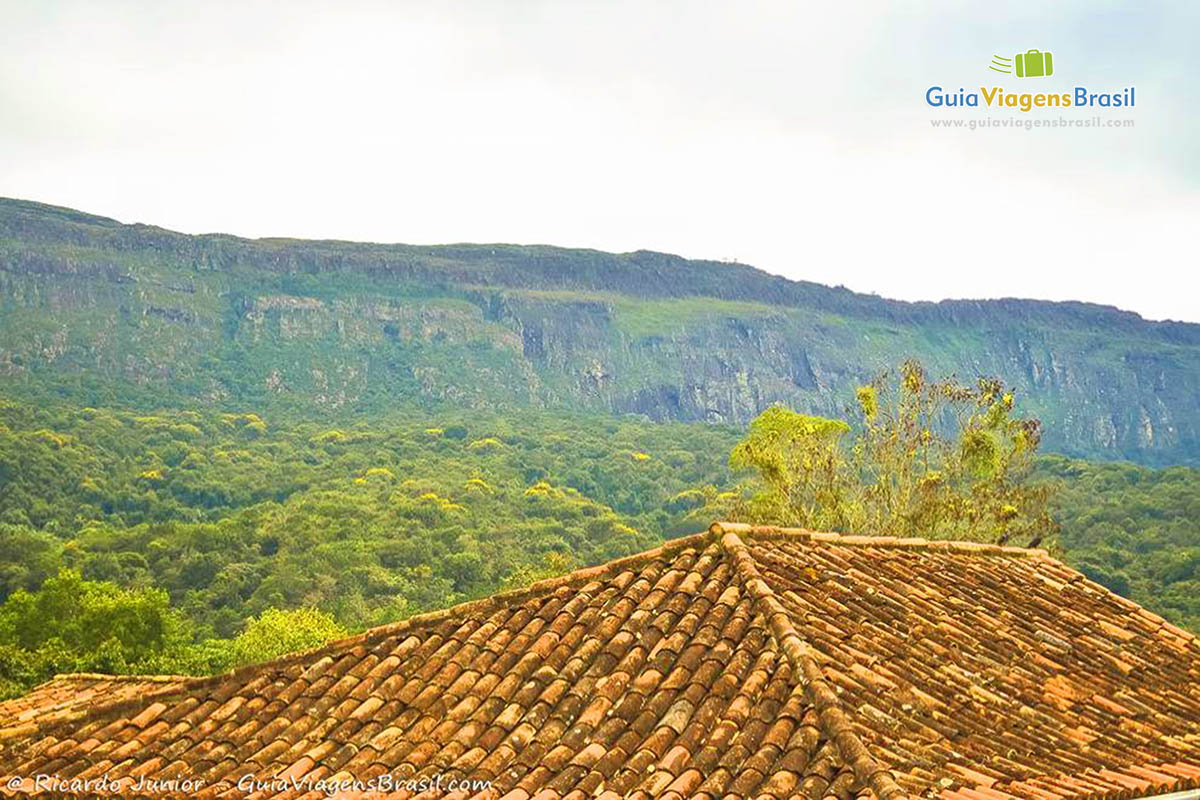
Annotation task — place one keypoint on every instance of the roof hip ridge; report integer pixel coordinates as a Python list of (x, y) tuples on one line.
[(178, 685), (127, 677), (768, 532), (830, 715)]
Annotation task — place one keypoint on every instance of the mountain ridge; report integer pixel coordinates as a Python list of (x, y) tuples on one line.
[(461, 249), (227, 319)]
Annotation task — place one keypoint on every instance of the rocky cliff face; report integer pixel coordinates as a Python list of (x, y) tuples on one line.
[(138, 314)]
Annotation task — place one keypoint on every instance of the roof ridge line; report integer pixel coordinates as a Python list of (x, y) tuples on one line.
[(830, 715), (156, 677), (767, 532), (779, 533)]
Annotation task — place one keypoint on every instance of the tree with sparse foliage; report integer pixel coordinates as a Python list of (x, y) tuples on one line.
[(931, 458), (803, 468)]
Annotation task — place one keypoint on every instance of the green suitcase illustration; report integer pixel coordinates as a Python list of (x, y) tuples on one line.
[(1034, 64)]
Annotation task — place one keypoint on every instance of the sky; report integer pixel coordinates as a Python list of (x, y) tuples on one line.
[(792, 136)]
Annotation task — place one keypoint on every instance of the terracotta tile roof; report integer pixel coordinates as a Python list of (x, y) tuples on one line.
[(744, 662), (66, 696)]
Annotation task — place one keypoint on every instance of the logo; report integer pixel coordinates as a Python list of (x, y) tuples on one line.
[(1030, 64)]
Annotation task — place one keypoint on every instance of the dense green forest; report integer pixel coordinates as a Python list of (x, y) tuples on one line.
[(203, 519), (1134, 529), (187, 541), (232, 514)]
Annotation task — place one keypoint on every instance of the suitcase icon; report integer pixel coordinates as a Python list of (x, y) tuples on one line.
[(1034, 64)]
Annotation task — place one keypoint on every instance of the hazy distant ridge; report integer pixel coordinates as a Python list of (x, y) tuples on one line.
[(163, 316)]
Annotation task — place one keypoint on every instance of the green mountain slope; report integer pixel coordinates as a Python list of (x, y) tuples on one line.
[(105, 313)]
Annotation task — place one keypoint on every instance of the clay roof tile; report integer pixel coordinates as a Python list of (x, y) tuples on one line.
[(747, 661)]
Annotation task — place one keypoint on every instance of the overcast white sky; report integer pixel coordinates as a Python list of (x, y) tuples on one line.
[(787, 135)]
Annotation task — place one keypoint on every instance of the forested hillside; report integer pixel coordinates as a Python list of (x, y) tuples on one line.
[(1133, 529), (148, 541), (171, 531), (214, 449), (136, 316), (234, 513)]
